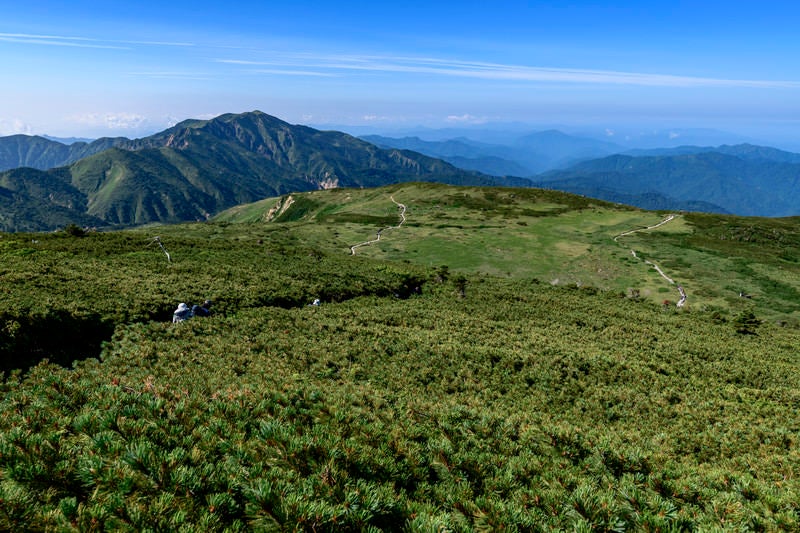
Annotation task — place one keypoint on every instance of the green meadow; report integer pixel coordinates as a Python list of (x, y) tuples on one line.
[(560, 239), (497, 362)]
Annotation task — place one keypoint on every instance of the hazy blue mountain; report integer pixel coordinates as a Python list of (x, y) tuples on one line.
[(68, 140), (551, 149), (32, 151), (494, 160), (200, 167), (639, 137), (741, 185), (449, 148), (493, 166), (743, 151), (523, 155)]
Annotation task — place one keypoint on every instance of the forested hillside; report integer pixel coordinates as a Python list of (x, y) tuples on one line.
[(17, 151), (744, 180)]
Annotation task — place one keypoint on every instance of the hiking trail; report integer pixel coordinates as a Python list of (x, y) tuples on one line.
[(682, 300), (377, 238)]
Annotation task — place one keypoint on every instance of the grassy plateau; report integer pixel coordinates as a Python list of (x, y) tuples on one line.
[(496, 361)]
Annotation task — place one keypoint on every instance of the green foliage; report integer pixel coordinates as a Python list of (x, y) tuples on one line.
[(523, 405), (74, 230), (746, 323), (117, 278), (460, 284), (378, 412)]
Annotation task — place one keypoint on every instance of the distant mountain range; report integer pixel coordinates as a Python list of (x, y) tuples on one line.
[(744, 151), (743, 179), (194, 170), (525, 155), (201, 167)]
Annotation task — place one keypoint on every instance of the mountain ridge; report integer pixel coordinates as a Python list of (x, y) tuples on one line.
[(524, 155), (742, 179), (199, 167)]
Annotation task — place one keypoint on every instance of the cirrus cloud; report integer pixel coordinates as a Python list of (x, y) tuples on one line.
[(321, 64)]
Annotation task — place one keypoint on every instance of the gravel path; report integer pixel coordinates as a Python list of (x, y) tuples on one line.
[(377, 238), (682, 293)]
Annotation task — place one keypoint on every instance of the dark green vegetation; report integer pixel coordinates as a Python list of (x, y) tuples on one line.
[(38, 152), (33, 200), (744, 179), (417, 397), (62, 290), (198, 168)]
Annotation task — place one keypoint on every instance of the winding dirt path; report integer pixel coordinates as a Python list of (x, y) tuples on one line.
[(377, 238), (682, 300)]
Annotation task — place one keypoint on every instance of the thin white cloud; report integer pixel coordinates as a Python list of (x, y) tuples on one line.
[(56, 40), (498, 71), (80, 42), (164, 75), (466, 119), (43, 37), (156, 43), (278, 71), (111, 121), (287, 72), (329, 65), (125, 121), (376, 118)]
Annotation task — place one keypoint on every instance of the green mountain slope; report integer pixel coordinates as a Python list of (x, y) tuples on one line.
[(33, 151), (18, 151), (33, 200), (557, 238), (198, 168), (416, 397), (747, 185), (126, 187)]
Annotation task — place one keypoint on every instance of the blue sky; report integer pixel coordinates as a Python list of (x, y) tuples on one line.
[(132, 68)]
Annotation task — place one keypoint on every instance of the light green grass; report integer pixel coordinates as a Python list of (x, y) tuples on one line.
[(561, 239)]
